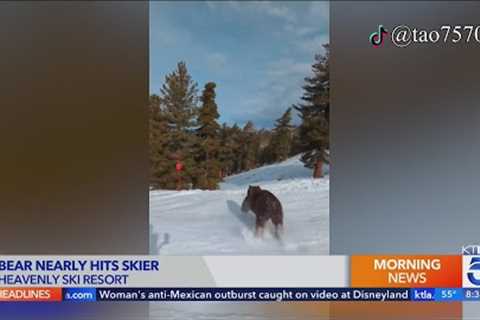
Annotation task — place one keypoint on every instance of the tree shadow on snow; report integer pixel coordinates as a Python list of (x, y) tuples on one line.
[(155, 246), (248, 220)]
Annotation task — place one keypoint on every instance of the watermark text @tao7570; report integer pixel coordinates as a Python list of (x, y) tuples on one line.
[(403, 36)]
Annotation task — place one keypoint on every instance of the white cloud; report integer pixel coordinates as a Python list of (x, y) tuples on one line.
[(320, 10), (313, 45), (216, 61), (280, 88), (312, 28), (269, 8), (287, 68), (279, 11), (300, 30), (296, 30)]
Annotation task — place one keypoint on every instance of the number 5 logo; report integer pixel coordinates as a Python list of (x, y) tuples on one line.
[(474, 270)]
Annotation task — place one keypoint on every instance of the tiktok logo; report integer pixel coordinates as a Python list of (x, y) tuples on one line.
[(377, 37)]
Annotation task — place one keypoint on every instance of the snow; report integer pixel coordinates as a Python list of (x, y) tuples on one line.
[(196, 222)]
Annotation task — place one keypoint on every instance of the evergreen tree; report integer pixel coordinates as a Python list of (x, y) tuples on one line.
[(238, 145), (250, 147), (282, 137), (157, 143), (208, 131), (296, 146), (179, 100), (315, 113), (180, 131), (227, 151), (265, 147)]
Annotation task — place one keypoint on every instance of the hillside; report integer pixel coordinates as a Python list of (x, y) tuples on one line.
[(197, 222)]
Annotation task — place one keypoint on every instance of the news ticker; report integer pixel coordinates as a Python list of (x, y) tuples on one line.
[(241, 278), (238, 294)]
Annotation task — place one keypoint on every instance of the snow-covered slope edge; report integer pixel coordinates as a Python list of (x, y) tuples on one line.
[(199, 222)]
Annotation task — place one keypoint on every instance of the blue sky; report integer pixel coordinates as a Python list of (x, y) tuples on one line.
[(256, 52)]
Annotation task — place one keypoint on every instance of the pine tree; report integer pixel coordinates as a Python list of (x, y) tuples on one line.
[(282, 137), (315, 115), (296, 146), (157, 143), (227, 150), (250, 147), (208, 132), (179, 101), (265, 147), (238, 146)]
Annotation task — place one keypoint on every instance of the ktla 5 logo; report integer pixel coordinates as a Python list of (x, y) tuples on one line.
[(471, 271), (377, 38)]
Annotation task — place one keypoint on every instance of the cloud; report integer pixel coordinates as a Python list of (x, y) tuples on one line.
[(260, 76), (320, 10), (287, 68), (165, 33), (300, 30), (279, 11), (269, 8), (216, 61), (313, 45), (280, 88)]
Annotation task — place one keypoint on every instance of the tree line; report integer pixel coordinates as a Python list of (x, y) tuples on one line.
[(188, 148)]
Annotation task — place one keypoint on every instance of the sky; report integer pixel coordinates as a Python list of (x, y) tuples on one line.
[(258, 53)]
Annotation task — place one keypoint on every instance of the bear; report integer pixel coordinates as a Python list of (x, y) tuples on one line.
[(266, 207)]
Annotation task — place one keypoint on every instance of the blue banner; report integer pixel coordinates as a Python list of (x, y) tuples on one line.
[(252, 294), (80, 294), (271, 294)]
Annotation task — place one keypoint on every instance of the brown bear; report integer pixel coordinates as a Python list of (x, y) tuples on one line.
[(265, 206)]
